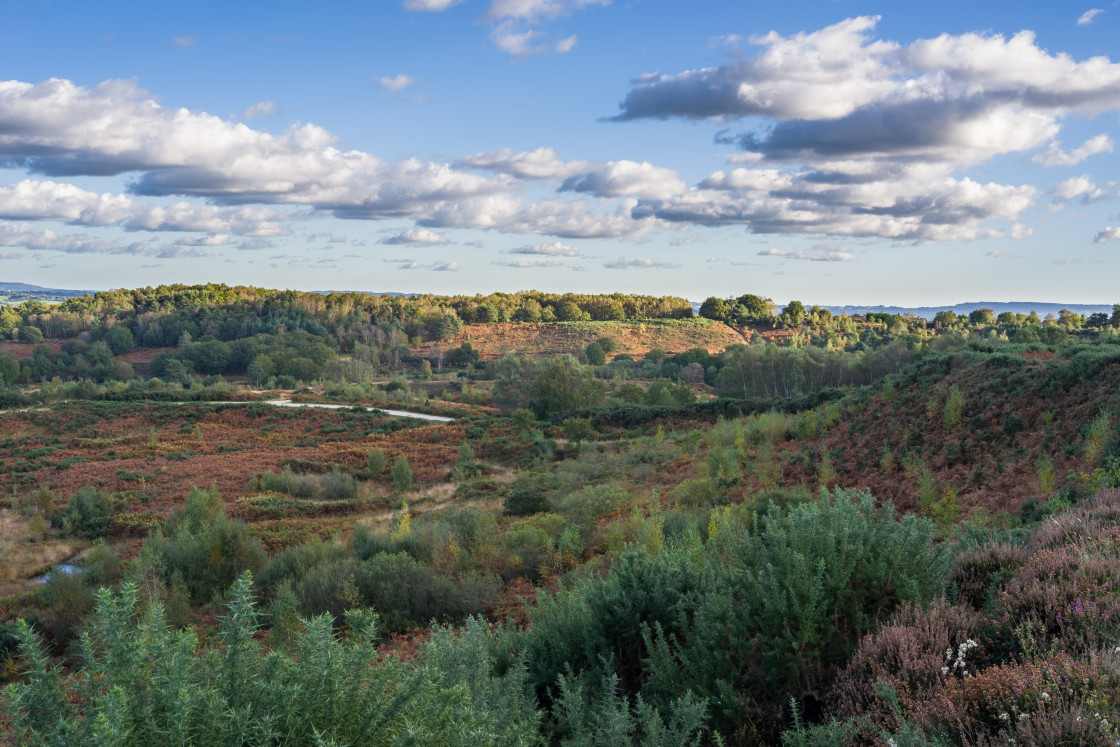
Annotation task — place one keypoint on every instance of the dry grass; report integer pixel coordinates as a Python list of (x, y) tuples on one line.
[(23, 556)]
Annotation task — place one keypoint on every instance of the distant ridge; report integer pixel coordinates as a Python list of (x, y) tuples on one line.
[(22, 289), (1015, 307), (998, 307)]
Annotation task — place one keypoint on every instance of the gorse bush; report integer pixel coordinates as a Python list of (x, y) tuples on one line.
[(141, 683), (789, 597), (767, 608)]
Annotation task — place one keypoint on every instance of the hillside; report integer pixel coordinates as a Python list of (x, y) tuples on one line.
[(633, 338)]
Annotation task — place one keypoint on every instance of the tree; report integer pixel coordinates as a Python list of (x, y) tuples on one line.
[(757, 307), (693, 373), (376, 462), (464, 355), (27, 333), (608, 344), (578, 429), (946, 318), (177, 371), (794, 313), (256, 372), (569, 311), (596, 356), (716, 308), (402, 474), (980, 317), (563, 386), (1099, 319), (514, 375), (9, 369), (120, 340), (1070, 319)]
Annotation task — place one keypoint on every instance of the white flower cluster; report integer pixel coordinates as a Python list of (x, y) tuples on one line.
[(959, 662)]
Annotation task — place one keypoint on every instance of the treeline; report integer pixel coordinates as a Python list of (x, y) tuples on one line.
[(759, 312), (158, 317)]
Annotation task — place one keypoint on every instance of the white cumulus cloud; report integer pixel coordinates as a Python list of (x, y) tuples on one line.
[(1111, 233), (417, 237)]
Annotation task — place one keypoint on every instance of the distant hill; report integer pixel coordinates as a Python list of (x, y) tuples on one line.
[(928, 312), (16, 293), (1015, 307), (25, 288)]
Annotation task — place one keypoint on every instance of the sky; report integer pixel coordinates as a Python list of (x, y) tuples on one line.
[(831, 151)]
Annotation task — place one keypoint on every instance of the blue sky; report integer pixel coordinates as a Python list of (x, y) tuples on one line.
[(835, 152)]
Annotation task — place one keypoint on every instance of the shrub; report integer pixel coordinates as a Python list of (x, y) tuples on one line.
[(402, 475), (292, 564), (408, 593), (338, 486), (365, 544), (376, 462), (329, 588), (979, 575), (791, 600), (526, 501), (600, 626), (205, 547), (694, 492), (526, 550), (88, 514), (954, 408), (1035, 697), (907, 654), (585, 507)]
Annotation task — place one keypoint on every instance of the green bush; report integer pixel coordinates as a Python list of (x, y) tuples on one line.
[(402, 475), (596, 628), (376, 462), (525, 502), (789, 602), (205, 547), (526, 550), (338, 486), (291, 564), (88, 514), (366, 544), (408, 593)]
